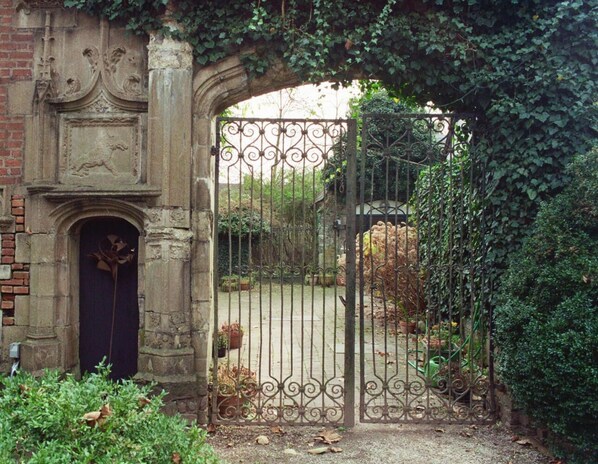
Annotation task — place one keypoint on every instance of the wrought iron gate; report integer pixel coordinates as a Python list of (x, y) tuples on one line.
[(306, 231), (424, 338)]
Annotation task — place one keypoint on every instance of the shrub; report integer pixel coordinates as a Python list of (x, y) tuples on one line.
[(547, 322), (61, 420), (390, 267)]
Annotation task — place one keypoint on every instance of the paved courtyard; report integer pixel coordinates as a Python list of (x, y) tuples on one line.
[(294, 342)]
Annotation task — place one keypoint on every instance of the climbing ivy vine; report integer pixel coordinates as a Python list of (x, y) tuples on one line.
[(527, 67)]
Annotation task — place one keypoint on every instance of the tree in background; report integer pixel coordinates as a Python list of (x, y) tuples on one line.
[(386, 172)]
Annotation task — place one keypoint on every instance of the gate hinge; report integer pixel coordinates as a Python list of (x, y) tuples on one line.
[(214, 151)]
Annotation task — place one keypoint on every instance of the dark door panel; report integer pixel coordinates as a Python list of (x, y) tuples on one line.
[(96, 292)]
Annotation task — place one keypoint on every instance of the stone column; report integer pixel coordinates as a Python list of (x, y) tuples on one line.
[(203, 258), (166, 355)]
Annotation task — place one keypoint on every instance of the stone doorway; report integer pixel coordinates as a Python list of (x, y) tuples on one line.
[(109, 313)]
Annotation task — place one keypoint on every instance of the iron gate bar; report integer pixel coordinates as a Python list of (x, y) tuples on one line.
[(350, 274)]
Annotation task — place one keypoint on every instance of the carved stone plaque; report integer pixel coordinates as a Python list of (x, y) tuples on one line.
[(100, 148)]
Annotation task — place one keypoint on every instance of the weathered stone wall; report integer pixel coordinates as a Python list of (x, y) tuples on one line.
[(95, 122)]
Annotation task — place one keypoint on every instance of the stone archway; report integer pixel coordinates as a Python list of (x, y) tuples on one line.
[(215, 88)]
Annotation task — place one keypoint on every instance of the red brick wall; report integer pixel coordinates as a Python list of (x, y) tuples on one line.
[(18, 284), (16, 64)]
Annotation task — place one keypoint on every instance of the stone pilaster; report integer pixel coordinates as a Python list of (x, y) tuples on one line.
[(166, 354), (41, 349), (170, 119)]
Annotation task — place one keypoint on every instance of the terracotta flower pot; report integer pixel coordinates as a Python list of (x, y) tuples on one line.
[(229, 406), (245, 286), (235, 340), (407, 327)]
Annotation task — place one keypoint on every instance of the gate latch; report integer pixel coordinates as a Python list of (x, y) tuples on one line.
[(338, 225)]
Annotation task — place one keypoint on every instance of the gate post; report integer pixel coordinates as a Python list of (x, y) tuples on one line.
[(351, 155)]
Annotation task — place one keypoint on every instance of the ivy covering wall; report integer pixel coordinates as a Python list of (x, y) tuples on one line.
[(527, 67)]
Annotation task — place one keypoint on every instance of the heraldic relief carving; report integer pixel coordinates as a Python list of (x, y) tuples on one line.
[(98, 96)]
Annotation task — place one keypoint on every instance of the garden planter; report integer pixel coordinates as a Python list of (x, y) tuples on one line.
[(311, 280), (326, 280), (228, 287), (229, 406), (407, 327), (245, 286), (235, 340), (221, 352)]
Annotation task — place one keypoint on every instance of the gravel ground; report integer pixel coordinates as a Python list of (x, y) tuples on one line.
[(377, 443)]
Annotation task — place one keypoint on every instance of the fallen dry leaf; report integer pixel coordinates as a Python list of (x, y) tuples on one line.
[(328, 436), (211, 428), (439, 430), (176, 458), (277, 429), (92, 417), (143, 401), (335, 449), (105, 410), (523, 442), (465, 434), (318, 450), (97, 417)]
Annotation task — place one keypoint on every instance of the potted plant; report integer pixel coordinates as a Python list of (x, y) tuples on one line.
[(234, 333), (233, 282), (222, 343), (327, 279), (236, 385), (245, 283), (442, 337), (229, 283), (407, 322)]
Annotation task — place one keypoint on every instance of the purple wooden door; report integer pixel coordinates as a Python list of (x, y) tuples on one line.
[(96, 293)]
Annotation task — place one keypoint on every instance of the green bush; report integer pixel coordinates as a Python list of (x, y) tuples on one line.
[(42, 421), (547, 318)]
